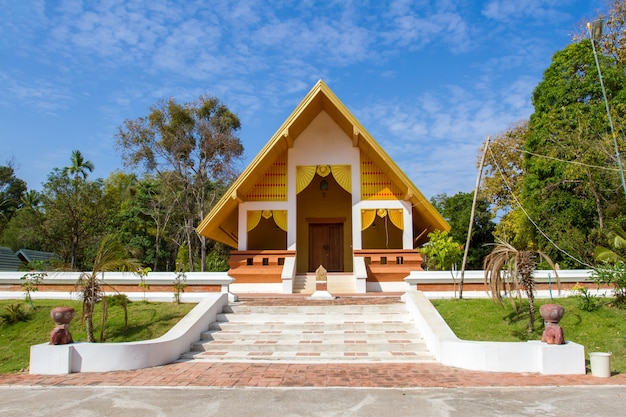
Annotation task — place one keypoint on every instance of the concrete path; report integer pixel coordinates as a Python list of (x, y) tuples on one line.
[(285, 402)]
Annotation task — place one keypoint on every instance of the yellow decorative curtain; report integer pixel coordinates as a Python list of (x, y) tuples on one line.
[(254, 217), (280, 218), (341, 173), (367, 218), (304, 176), (395, 215), (343, 176)]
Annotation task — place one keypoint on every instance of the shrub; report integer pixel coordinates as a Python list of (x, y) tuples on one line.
[(586, 301), (13, 313), (613, 275)]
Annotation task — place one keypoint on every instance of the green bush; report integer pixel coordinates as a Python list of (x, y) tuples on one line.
[(13, 313), (614, 275)]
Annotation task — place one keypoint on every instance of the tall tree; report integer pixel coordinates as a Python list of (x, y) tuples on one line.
[(75, 211), (196, 143), (571, 184)]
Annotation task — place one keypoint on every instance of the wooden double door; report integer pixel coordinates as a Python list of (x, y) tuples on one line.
[(326, 246)]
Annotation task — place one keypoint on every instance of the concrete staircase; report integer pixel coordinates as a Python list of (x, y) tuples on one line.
[(312, 333)]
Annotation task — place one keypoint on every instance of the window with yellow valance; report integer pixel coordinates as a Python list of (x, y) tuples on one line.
[(254, 217), (396, 216), (341, 174)]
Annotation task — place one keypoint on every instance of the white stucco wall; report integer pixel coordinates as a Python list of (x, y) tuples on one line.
[(324, 143)]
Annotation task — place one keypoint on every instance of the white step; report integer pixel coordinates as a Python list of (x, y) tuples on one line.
[(324, 332)]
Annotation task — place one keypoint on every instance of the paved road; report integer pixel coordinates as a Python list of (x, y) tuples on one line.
[(593, 401)]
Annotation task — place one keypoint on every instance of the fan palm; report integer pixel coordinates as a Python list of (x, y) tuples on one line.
[(511, 270), (111, 256)]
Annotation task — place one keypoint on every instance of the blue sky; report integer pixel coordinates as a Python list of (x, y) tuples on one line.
[(430, 80)]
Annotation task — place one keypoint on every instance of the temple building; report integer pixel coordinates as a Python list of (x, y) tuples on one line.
[(322, 192)]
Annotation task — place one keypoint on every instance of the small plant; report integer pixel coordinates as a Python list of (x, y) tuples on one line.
[(143, 273), (179, 284), (13, 313), (31, 284), (586, 300), (33, 279), (613, 275)]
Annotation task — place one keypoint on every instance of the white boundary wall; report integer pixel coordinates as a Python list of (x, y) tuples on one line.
[(122, 278), (520, 357), (103, 357)]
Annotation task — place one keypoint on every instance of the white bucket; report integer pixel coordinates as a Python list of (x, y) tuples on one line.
[(600, 364)]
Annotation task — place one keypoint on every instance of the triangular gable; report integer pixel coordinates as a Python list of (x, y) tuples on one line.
[(221, 223)]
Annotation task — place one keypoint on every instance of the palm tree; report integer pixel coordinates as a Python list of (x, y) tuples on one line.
[(511, 270), (31, 200), (111, 256), (79, 167)]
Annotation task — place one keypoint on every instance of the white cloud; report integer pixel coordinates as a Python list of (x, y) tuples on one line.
[(505, 10)]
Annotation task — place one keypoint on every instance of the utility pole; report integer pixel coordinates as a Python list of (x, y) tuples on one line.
[(471, 222), (595, 35)]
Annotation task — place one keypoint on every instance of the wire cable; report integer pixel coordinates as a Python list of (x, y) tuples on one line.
[(562, 160), (510, 190)]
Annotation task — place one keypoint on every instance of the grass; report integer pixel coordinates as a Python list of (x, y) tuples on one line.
[(602, 330), (146, 320)]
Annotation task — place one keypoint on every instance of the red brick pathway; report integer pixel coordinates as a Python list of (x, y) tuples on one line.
[(387, 375), (266, 374)]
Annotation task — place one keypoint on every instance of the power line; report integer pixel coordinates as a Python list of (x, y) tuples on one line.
[(562, 160), (510, 190)]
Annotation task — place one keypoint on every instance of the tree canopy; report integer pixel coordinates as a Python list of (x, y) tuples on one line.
[(193, 149)]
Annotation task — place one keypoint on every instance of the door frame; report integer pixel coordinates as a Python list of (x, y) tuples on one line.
[(338, 251)]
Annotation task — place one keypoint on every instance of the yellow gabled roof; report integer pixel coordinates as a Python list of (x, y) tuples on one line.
[(221, 223)]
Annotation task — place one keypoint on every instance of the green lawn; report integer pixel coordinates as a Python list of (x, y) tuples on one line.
[(602, 330), (146, 320)]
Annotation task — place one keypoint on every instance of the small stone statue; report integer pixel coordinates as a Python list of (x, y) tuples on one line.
[(553, 333), (62, 316), (321, 279)]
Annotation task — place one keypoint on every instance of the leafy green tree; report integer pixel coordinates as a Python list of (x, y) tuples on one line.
[(24, 230), (503, 175), (143, 218), (571, 184), (193, 148), (111, 256), (11, 191), (456, 210), (442, 251)]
